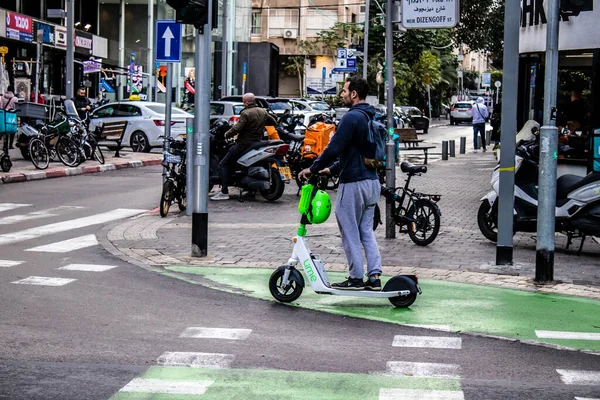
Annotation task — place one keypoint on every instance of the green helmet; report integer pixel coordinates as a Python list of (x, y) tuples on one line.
[(320, 208)]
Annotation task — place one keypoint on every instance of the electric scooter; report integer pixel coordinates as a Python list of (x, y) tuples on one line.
[(286, 282)]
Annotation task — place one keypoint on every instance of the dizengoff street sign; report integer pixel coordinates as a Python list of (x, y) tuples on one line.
[(429, 14)]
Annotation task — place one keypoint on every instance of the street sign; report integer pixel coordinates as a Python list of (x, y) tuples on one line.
[(497, 84), (168, 41), (56, 13), (486, 79), (427, 14)]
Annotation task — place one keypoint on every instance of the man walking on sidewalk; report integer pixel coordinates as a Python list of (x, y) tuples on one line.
[(480, 116)]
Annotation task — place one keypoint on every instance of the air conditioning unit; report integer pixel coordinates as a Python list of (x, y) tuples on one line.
[(290, 33)]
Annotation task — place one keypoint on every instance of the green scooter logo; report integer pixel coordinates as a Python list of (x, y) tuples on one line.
[(309, 271)]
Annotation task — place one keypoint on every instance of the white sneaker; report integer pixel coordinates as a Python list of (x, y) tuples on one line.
[(220, 196), (475, 151)]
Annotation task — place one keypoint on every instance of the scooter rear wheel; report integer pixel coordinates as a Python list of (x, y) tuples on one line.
[(403, 301), (287, 294)]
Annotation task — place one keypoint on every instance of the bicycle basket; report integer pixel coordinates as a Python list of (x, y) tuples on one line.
[(60, 126)]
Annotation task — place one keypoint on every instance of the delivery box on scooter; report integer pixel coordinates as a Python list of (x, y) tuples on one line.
[(316, 138)]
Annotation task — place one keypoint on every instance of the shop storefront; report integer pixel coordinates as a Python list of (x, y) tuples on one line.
[(578, 100)]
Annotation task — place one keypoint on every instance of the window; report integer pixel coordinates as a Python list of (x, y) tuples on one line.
[(256, 28), (217, 109), (104, 112), (318, 20), (282, 19), (127, 110), (237, 109)]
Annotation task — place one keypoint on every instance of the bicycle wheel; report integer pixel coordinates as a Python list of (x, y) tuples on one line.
[(68, 151), (98, 153), (182, 199), (166, 198), (39, 154), (424, 222)]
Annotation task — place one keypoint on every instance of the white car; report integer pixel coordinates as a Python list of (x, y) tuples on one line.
[(229, 110), (145, 123), (461, 111), (312, 105)]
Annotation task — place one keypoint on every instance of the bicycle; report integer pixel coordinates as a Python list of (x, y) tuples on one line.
[(174, 187), (420, 217)]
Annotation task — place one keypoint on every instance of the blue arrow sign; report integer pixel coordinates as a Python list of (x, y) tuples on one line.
[(168, 41)]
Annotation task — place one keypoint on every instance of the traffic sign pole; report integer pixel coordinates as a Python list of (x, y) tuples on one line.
[(169, 87), (390, 178)]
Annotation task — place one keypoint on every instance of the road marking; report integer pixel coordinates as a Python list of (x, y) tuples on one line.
[(575, 377), (216, 333), (195, 360), (444, 328), (585, 398), (44, 281), (88, 267), (432, 342), (34, 233), (51, 212), (142, 385), (417, 394), (423, 370), (68, 245), (567, 335), (9, 263), (12, 206)]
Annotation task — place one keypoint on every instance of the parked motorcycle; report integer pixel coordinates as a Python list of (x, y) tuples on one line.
[(262, 168), (577, 200)]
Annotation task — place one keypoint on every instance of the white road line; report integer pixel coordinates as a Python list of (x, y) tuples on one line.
[(68, 245), (9, 263), (88, 267), (216, 333), (44, 281), (195, 360), (12, 206), (51, 212), (423, 370), (418, 394), (585, 398), (567, 335), (432, 342), (444, 328), (141, 385), (576, 377), (33, 233)]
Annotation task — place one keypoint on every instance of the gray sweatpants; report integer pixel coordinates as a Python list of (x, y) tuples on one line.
[(354, 211)]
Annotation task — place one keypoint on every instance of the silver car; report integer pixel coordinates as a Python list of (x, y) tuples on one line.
[(229, 110), (461, 111)]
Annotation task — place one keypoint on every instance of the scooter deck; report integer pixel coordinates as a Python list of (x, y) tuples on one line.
[(365, 293)]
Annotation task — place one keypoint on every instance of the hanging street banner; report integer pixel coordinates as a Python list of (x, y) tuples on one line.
[(19, 27), (427, 14), (92, 66)]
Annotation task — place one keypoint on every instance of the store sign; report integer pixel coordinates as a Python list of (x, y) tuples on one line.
[(19, 27), (60, 37), (92, 66), (44, 33), (429, 14), (320, 86), (83, 42)]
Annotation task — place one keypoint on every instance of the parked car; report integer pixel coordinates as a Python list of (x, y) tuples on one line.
[(417, 119), (262, 101), (145, 122), (229, 110), (279, 105), (303, 105), (461, 111), (402, 120)]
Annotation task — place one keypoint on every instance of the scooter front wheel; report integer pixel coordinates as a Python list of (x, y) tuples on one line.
[(288, 293), (403, 301)]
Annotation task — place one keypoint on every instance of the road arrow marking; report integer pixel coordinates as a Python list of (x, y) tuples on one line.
[(168, 36)]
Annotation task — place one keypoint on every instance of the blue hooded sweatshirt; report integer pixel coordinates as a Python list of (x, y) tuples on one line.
[(346, 144), (480, 111)]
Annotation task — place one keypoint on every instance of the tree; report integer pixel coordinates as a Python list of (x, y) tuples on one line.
[(295, 65), (481, 26)]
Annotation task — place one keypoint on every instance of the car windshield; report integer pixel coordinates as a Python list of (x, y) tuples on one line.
[(280, 105), (217, 109), (463, 105), (320, 106), (161, 109), (237, 109)]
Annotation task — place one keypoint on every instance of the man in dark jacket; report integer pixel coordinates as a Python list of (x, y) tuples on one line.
[(359, 187), (82, 103), (249, 129)]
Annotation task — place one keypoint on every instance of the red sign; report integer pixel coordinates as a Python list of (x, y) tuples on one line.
[(19, 27)]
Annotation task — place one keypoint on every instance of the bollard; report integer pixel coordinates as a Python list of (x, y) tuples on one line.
[(478, 142), (463, 145), (452, 148), (444, 150), (488, 137)]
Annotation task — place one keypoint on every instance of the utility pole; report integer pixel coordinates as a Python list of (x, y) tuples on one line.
[(150, 58), (70, 49), (390, 175), (544, 259), (366, 39), (224, 47), (504, 248)]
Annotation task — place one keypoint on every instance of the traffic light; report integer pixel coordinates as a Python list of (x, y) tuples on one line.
[(574, 7), (192, 12)]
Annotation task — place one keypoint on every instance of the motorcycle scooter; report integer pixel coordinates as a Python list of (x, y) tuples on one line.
[(287, 283)]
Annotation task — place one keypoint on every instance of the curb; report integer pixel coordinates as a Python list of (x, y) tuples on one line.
[(82, 170)]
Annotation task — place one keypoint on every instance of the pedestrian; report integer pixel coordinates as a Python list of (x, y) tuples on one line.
[(480, 117), (82, 103), (359, 187), (249, 129), (8, 102)]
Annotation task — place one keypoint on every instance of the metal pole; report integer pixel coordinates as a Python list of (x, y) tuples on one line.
[(366, 39), (224, 46), (544, 260), (121, 48), (169, 85), (429, 100), (463, 145), (201, 157), (150, 60), (444, 150), (390, 178), (504, 249), (70, 48), (452, 144), (189, 165), (38, 69)]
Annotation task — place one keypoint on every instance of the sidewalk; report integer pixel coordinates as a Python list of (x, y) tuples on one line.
[(255, 233), (23, 170)]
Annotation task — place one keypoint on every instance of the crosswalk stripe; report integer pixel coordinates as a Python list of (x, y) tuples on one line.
[(88, 267), (195, 360), (444, 328), (143, 385), (12, 206), (432, 342), (418, 394), (216, 333), (51, 212), (567, 335), (423, 370), (33, 233), (68, 245), (577, 377), (44, 281), (9, 263), (586, 398)]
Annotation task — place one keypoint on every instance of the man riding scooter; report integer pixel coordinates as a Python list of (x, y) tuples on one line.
[(249, 129)]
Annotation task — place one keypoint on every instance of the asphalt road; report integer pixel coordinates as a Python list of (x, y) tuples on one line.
[(89, 337)]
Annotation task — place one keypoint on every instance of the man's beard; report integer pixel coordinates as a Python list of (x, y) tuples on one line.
[(348, 102)]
